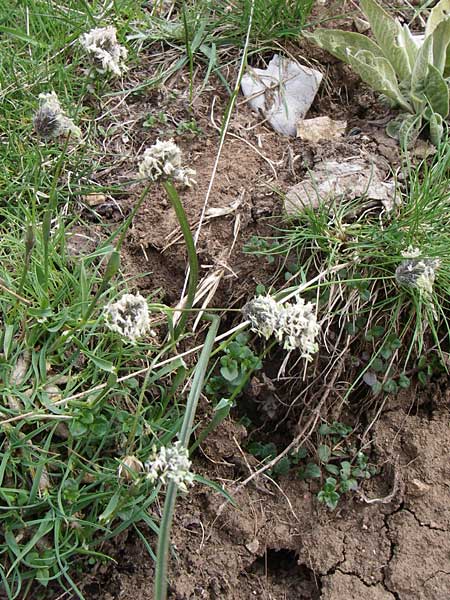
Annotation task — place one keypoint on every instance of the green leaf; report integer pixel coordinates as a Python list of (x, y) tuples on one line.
[(283, 466), (224, 404), (217, 488), (324, 453), (330, 484), (378, 365), (406, 41), (300, 454), (390, 387), (43, 575), (77, 429), (436, 91), (403, 381), (376, 388), (343, 43), (346, 469), (111, 508), (325, 429), (111, 268), (331, 499), (436, 128), (374, 332), (311, 471), (7, 339), (229, 370), (405, 128), (100, 427), (386, 352), (419, 75), (333, 469), (386, 31), (378, 72), (20, 35), (438, 14), (347, 485), (101, 363), (84, 288), (422, 378), (441, 42)]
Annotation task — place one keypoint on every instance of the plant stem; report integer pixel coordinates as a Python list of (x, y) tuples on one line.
[(198, 379), (49, 211), (162, 553), (130, 217), (191, 252), (162, 556)]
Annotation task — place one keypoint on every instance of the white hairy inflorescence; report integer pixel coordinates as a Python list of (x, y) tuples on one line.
[(128, 316), (50, 119), (171, 463), (418, 273), (163, 161), (293, 325), (105, 53)]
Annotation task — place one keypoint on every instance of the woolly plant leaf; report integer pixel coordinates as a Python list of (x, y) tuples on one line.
[(436, 124), (387, 31), (436, 92), (405, 128), (406, 41), (441, 42), (342, 43), (438, 14), (423, 61), (378, 72)]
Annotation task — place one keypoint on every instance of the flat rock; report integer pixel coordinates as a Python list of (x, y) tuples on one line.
[(332, 180), (320, 128)]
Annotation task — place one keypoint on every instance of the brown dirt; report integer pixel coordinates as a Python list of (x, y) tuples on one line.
[(279, 543)]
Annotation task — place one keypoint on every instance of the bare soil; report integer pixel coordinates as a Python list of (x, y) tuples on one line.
[(281, 544)]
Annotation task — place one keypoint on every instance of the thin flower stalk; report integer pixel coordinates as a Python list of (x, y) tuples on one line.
[(163, 162), (160, 589)]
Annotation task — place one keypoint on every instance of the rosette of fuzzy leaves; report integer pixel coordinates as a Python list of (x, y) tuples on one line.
[(411, 71)]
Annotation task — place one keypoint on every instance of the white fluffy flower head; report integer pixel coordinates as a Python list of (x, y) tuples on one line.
[(128, 316), (411, 252), (50, 119), (263, 313), (105, 53), (163, 161), (171, 463), (298, 328), (293, 325), (418, 274)]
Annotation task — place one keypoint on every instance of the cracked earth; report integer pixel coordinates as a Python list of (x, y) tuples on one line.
[(279, 544)]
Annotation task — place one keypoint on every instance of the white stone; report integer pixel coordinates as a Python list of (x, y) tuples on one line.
[(333, 180), (320, 128)]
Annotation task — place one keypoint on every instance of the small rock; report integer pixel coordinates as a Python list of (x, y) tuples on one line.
[(94, 199), (331, 180), (418, 488), (320, 128), (253, 546), (361, 25), (283, 92)]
